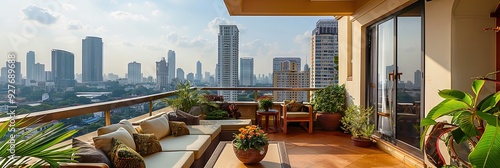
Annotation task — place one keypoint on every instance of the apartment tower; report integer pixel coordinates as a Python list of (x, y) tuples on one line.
[(246, 72), (228, 49), (92, 59), (324, 47), (171, 65)]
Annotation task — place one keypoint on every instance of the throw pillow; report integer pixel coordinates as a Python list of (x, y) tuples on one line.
[(178, 128), (158, 126), (112, 128), (103, 142), (172, 116), (89, 154), (123, 156), (190, 119), (146, 144), (294, 106)]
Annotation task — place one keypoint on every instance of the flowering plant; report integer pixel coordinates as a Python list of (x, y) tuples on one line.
[(265, 102), (250, 137)]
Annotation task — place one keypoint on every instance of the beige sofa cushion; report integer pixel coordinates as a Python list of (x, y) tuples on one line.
[(228, 125), (103, 142), (112, 128), (158, 126), (212, 130), (196, 143), (181, 159), (297, 114)]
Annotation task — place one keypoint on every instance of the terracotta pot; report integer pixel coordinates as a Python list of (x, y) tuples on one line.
[(250, 156), (361, 142), (329, 121)]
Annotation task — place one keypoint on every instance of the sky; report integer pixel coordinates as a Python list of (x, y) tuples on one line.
[(144, 31)]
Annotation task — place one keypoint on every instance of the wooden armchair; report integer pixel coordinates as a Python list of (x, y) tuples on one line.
[(304, 115)]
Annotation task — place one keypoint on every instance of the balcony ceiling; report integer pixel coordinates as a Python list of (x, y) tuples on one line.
[(292, 7)]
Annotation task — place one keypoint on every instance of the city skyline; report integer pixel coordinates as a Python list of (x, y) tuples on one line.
[(145, 31)]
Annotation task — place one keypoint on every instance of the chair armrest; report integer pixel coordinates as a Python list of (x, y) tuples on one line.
[(82, 165), (309, 109)]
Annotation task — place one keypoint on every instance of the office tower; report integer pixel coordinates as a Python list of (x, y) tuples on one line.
[(278, 60), (39, 72), (290, 77), (323, 50), (228, 50), (190, 77), (180, 74), (49, 77), (17, 72), (92, 59), (3, 77), (206, 77), (417, 81), (217, 78), (171, 65), (161, 74), (63, 68), (30, 63), (246, 72), (198, 75), (306, 67), (134, 73)]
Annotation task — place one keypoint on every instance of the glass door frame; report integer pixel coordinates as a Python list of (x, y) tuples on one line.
[(369, 71)]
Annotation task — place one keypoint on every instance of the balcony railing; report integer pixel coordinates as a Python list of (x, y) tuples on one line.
[(67, 112)]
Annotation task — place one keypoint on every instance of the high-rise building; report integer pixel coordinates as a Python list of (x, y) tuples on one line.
[(39, 72), (278, 60), (161, 74), (198, 75), (228, 54), (49, 76), (246, 71), (92, 59), (30, 63), (417, 79), (290, 77), (134, 73), (3, 75), (206, 77), (63, 68), (17, 70), (324, 47), (306, 67), (171, 65), (217, 77), (180, 74), (190, 77)]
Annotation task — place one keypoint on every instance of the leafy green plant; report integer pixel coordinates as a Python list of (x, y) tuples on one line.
[(330, 99), (357, 121), (472, 118), (34, 149), (217, 115), (187, 97), (265, 102)]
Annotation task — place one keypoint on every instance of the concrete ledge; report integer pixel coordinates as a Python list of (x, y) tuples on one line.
[(399, 154)]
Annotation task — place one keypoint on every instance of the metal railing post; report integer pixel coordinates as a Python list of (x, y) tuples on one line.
[(107, 113), (150, 107), (255, 95)]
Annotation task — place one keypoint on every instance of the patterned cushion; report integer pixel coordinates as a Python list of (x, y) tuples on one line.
[(178, 128), (190, 119), (294, 106), (103, 142), (88, 153), (146, 144), (124, 157)]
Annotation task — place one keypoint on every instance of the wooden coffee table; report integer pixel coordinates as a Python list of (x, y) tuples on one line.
[(224, 156)]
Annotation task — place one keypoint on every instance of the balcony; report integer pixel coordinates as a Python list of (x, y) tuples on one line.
[(321, 149)]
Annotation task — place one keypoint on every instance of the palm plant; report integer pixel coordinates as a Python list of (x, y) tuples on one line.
[(187, 97), (473, 120), (21, 149)]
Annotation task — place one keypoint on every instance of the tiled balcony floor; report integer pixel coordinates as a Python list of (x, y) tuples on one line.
[(331, 150)]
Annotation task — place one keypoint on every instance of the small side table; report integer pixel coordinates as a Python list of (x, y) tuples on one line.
[(271, 112)]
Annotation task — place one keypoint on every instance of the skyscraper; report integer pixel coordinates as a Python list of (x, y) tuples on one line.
[(289, 76), (92, 59), (17, 70), (30, 63), (39, 72), (190, 77), (198, 75), (206, 76), (161, 74), (324, 48), (3, 75), (180, 74), (246, 72), (171, 65), (228, 54), (278, 60), (63, 68), (134, 73)]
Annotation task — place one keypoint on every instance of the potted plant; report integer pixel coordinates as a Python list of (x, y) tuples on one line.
[(357, 121), (250, 144), (474, 123), (187, 98), (329, 103), (265, 102)]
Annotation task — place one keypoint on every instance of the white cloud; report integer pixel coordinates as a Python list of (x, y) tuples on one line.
[(188, 42), (303, 38), (41, 15), (121, 15), (213, 25), (74, 25), (155, 12), (68, 7)]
